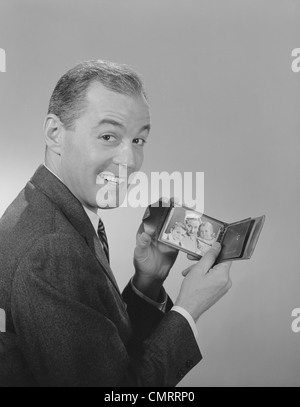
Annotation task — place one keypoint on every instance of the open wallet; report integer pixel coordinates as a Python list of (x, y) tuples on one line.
[(194, 233)]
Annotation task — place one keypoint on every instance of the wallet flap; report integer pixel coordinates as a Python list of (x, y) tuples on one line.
[(234, 240), (257, 226)]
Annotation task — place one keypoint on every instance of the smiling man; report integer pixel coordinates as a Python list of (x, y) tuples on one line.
[(67, 322), (109, 134)]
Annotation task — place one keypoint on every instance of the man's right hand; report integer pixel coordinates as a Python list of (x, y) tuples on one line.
[(203, 285)]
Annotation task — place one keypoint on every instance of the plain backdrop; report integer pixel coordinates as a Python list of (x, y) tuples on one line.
[(225, 101)]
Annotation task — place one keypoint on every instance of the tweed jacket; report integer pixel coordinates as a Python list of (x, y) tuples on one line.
[(67, 324)]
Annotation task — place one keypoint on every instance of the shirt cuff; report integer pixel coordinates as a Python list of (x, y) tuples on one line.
[(161, 306), (188, 317)]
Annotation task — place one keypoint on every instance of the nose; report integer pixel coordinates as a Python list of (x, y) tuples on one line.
[(125, 156)]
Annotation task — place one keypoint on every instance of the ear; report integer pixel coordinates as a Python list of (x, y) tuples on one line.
[(54, 131)]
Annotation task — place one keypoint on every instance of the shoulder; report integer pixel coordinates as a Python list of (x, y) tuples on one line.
[(53, 251), (61, 263)]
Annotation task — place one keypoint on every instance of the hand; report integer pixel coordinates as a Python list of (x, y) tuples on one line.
[(203, 286), (153, 261)]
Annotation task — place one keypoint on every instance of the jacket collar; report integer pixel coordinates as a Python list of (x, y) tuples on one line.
[(70, 206)]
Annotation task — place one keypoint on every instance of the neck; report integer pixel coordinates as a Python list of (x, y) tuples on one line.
[(52, 162)]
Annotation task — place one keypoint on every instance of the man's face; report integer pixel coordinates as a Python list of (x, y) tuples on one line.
[(192, 227), (108, 137), (178, 234)]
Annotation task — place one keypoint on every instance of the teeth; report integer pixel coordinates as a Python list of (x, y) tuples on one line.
[(113, 179)]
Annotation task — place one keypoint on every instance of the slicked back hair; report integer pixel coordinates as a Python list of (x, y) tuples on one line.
[(68, 100)]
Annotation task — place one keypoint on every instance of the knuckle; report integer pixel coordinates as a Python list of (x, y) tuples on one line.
[(214, 250), (210, 256)]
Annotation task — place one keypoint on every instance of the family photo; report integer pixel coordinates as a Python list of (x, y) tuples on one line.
[(191, 231)]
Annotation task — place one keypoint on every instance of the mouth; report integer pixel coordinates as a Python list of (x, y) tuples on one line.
[(111, 178)]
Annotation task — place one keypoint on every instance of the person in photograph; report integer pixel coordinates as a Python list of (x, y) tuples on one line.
[(192, 224), (176, 235), (67, 322), (206, 238), (206, 233)]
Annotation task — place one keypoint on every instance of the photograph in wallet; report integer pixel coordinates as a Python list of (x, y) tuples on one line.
[(195, 233)]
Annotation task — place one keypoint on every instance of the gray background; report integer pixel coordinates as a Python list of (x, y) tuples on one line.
[(225, 101)]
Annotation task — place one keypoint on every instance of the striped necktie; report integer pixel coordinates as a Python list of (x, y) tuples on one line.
[(103, 238)]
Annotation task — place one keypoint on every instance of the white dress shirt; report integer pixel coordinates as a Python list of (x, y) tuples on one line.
[(94, 218)]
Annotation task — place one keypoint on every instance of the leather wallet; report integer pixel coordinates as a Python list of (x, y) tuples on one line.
[(194, 233)]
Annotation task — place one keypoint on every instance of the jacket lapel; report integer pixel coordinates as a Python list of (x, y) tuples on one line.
[(95, 245), (58, 193)]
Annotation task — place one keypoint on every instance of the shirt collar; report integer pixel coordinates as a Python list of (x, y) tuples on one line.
[(53, 173), (93, 217)]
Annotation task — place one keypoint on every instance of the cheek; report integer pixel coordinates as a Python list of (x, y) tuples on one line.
[(73, 149), (139, 158), (85, 156)]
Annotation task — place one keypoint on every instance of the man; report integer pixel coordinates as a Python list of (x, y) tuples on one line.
[(67, 322)]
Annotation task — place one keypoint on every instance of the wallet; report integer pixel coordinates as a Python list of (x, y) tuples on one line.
[(194, 233)]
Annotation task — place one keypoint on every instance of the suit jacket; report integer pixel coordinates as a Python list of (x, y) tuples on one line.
[(67, 322)]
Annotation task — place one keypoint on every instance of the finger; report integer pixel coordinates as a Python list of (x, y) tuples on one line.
[(141, 230), (149, 230), (191, 257), (143, 240), (186, 271), (142, 244), (145, 228), (222, 270), (166, 201), (223, 267), (208, 260)]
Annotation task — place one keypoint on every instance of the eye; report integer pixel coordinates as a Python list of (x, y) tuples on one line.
[(139, 142), (109, 138)]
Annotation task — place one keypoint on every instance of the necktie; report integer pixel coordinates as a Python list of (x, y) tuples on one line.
[(103, 238)]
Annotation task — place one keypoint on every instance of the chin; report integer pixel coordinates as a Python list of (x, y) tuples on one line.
[(110, 197), (109, 204)]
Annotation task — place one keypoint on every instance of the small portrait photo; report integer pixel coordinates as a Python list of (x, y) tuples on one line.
[(190, 231), (177, 233), (207, 234)]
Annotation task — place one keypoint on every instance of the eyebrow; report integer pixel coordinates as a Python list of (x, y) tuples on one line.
[(118, 124)]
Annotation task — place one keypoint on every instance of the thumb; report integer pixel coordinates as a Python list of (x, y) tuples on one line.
[(143, 241)]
